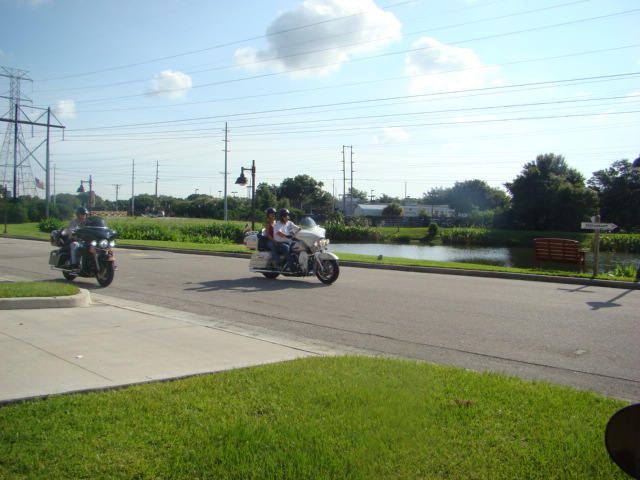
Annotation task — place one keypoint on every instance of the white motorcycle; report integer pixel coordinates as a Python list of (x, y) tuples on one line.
[(308, 253)]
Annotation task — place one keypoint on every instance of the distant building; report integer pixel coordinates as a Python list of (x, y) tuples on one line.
[(411, 210)]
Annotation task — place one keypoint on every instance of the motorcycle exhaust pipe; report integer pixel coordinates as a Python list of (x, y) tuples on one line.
[(60, 269)]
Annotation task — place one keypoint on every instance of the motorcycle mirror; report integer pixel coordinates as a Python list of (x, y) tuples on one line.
[(622, 438)]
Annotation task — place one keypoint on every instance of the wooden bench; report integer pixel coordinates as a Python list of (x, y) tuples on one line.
[(558, 250)]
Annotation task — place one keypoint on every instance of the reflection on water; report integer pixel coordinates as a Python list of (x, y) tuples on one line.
[(506, 257)]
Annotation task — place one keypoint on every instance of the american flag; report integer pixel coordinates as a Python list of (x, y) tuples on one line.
[(39, 183)]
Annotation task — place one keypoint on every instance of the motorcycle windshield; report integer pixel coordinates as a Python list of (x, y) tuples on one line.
[(307, 222), (95, 228), (97, 222)]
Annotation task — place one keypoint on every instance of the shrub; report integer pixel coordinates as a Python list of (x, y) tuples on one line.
[(464, 236), (50, 224), (432, 233), (620, 243)]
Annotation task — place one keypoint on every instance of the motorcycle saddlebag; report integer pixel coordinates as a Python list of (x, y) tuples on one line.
[(54, 257), (260, 260)]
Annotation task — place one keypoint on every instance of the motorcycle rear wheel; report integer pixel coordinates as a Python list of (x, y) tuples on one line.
[(69, 276), (328, 271), (106, 274), (271, 274)]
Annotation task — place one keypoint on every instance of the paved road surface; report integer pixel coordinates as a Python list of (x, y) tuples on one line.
[(582, 336)]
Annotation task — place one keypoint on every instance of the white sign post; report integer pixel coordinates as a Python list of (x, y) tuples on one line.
[(596, 226)]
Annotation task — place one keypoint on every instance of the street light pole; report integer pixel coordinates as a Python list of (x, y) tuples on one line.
[(242, 180), (81, 189)]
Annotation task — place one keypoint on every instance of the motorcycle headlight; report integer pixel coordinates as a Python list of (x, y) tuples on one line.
[(93, 243), (112, 243), (104, 243)]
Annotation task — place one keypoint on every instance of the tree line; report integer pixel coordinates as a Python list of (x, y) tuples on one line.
[(547, 195)]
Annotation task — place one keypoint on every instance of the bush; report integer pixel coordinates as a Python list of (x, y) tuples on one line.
[(50, 224), (620, 243), (464, 236), (432, 233), (347, 233), (402, 239)]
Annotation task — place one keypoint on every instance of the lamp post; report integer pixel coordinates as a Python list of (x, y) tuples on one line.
[(81, 189), (242, 180)]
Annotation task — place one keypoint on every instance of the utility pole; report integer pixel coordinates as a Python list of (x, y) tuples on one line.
[(226, 151), (155, 203), (22, 174), (344, 172), (117, 185), (133, 195)]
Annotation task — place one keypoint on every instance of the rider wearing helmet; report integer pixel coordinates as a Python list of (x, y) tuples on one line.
[(78, 222), (283, 231), (268, 233)]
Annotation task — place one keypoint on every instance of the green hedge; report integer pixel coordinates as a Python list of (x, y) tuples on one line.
[(216, 233)]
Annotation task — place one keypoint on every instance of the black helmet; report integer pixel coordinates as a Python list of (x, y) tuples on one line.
[(270, 210), (282, 212), (82, 210)]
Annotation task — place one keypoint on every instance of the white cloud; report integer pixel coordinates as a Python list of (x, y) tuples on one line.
[(64, 109), (391, 135), (170, 84), (438, 67), (340, 30)]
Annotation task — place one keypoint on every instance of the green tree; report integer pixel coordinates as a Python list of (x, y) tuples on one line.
[(265, 197), (464, 196), (358, 194), (393, 210), (618, 189), (384, 198), (549, 195), (435, 196), (304, 192)]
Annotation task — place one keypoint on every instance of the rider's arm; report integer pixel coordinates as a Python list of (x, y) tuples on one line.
[(278, 232)]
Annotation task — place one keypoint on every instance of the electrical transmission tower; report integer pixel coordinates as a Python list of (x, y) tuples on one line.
[(14, 165)]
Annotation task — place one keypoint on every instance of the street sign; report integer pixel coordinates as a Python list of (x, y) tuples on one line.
[(597, 226)]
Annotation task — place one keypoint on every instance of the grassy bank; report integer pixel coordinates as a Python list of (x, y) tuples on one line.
[(315, 418)]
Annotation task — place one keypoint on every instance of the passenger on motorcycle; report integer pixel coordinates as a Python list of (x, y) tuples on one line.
[(78, 222), (270, 240), (283, 231)]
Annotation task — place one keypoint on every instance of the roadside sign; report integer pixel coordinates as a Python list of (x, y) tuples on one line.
[(597, 226)]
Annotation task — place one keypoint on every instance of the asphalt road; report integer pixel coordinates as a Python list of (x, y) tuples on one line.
[(586, 337)]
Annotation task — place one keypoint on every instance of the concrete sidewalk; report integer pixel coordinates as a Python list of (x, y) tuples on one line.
[(111, 342)]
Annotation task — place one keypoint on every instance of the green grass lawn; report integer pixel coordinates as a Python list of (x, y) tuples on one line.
[(315, 418), (36, 289)]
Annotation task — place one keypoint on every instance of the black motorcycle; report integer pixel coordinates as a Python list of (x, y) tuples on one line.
[(95, 254)]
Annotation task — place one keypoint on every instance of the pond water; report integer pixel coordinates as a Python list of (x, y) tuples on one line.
[(506, 257)]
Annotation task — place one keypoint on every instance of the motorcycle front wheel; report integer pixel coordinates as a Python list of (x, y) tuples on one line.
[(106, 274), (328, 271)]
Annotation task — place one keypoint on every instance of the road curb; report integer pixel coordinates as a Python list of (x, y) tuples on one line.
[(81, 299)]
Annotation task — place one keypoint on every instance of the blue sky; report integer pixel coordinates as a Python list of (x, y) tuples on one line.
[(425, 92)]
